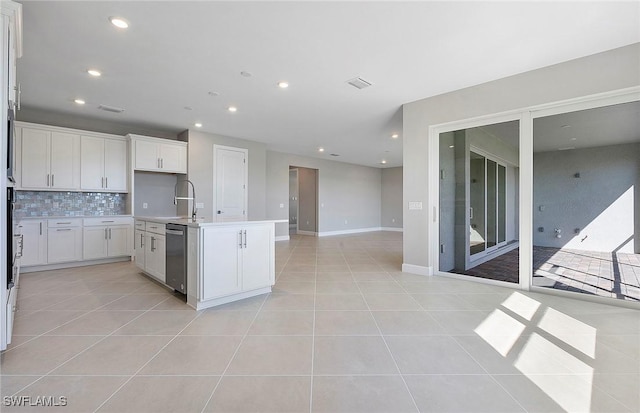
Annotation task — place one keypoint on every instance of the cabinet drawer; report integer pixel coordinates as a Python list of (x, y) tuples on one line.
[(102, 221), (64, 222), (140, 225), (156, 227)]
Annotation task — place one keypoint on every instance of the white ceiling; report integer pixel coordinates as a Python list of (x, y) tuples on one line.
[(175, 52)]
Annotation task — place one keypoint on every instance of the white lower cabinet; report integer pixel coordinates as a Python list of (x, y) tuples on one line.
[(69, 240), (154, 258), (236, 259), (106, 237), (150, 244), (64, 240), (139, 246), (34, 242)]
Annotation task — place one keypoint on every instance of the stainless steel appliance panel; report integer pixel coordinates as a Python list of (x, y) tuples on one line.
[(176, 268)]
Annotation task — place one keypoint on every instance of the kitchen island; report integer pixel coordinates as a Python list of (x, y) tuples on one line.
[(226, 260)]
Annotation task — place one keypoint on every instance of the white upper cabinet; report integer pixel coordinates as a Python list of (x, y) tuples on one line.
[(49, 160), (103, 164), (158, 155), (61, 159)]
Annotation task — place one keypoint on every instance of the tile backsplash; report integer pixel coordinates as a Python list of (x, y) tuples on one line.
[(68, 204)]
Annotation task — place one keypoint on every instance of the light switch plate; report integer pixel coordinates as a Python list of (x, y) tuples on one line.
[(145, 205), (199, 204), (415, 205)]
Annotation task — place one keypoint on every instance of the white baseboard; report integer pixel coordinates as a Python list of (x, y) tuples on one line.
[(312, 233), (283, 238), (417, 269), (395, 229), (59, 266), (349, 231)]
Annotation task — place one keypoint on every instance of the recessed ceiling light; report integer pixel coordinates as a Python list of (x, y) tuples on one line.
[(232, 109), (80, 101), (198, 125), (383, 162), (394, 136), (320, 149), (452, 146), (574, 139), (283, 85), (94, 72), (245, 74), (119, 22)]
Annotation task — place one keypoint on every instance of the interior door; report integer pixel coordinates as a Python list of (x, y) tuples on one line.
[(230, 181)]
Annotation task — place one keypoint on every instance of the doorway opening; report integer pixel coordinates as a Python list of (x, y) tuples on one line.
[(303, 201)]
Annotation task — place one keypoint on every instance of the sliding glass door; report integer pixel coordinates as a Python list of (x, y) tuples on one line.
[(478, 193)]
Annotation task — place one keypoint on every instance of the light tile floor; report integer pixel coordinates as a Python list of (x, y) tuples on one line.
[(343, 331)]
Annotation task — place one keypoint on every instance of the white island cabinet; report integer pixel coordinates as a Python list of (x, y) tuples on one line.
[(229, 261)]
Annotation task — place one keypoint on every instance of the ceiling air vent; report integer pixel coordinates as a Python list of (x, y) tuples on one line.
[(359, 83), (108, 108)]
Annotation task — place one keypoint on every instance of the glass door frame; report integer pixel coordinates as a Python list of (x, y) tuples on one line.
[(499, 163), (525, 116)]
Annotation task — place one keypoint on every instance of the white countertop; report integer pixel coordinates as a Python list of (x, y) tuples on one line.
[(206, 222)]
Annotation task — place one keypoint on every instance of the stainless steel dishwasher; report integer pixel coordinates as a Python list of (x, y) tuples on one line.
[(176, 268)]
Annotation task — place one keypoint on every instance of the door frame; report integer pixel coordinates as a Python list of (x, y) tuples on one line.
[(297, 200), (216, 148)]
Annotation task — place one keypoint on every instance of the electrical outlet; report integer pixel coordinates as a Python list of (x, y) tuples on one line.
[(393, 220), (145, 205), (281, 205)]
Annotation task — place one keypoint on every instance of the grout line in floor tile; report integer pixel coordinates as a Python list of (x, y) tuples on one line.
[(152, 357), (395, 363), (222, 375)]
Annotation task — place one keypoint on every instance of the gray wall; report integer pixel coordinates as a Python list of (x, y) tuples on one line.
[(611, 70), (346, 192), (604, 202), (156, 189), (391, 203), (201, 167)]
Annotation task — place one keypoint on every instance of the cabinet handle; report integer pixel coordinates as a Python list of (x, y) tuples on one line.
[(102, 182), (240, 233), (63, 223), (63, 229), (108, 221), (48, 180), (52, 176), (105, 233), (245, 238), (106, 182), (153, 247), (158, 162), (41, 228), (141, 239), (109, 233)]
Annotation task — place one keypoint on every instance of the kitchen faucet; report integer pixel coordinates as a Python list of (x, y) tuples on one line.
[(176, 197)]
